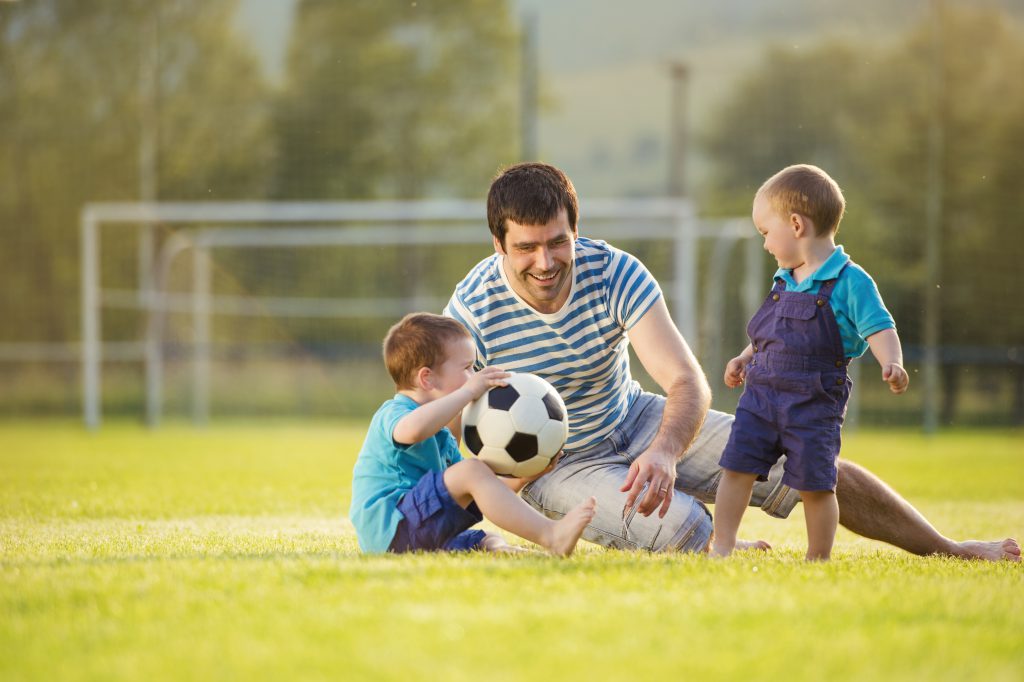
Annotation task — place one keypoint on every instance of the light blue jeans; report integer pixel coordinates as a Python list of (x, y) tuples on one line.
[(601, 470)]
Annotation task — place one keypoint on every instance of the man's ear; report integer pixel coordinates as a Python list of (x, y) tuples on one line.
[(498, 249)]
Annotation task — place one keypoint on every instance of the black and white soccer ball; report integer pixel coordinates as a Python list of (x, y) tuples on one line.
[(516, 429)]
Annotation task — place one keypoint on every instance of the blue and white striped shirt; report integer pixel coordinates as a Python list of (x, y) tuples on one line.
[(581, 349)]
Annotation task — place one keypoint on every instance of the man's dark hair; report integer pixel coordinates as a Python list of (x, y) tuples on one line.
[(530, 194)]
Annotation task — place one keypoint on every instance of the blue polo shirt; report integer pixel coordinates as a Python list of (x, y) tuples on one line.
[(386, 470), (855, 300)]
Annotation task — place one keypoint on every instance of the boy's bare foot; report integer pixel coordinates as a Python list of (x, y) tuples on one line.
[(998, 550), (567, 530)]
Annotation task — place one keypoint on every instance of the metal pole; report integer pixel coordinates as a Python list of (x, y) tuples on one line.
[(149, 112), (685, 285), (201, 336), (528, 82), (933, 230), (677, 133), (91, 350)]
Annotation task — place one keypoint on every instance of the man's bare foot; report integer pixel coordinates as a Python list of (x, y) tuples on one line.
[(998, 550), (566, 531)]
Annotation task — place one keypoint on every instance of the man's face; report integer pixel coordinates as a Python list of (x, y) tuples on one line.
[(538, 261)]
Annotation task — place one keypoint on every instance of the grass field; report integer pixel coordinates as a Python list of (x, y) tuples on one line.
[(225, 554)]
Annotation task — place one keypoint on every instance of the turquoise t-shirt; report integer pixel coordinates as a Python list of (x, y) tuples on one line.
[(386, 470), (855, 300)]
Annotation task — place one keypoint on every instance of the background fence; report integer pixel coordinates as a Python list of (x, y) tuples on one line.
[(917, 109)]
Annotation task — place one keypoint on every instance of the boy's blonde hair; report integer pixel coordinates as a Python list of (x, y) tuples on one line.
[(418, 340), (809, 191)]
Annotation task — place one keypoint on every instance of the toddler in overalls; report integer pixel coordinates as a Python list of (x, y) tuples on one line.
[(823, 311)]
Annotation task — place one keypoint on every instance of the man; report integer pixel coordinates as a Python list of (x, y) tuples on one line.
[(560, 306)]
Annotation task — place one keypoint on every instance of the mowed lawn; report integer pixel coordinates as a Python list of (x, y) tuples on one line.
[(225, 554)]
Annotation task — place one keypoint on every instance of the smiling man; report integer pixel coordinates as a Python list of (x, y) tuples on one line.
[(566, 308)]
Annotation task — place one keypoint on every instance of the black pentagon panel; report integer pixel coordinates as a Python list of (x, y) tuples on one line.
[(472, 438), (554, 409), (502, 397), (522, 447)]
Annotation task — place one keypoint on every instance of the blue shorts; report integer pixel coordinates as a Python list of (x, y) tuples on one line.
[(434, 521)]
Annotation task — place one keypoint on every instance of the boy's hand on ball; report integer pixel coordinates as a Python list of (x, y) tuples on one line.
[(897, 377), (486, 379)]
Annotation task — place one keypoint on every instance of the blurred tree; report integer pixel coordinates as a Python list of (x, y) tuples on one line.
[(400, 100), (393, 100), (73, 78), (862, 114)]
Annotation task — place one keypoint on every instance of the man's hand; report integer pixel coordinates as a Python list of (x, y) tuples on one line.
[(658, 471), (518, 483), (897, 377)]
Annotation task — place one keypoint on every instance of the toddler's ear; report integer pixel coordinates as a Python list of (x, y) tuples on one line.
[(801, 225), (424, 378)]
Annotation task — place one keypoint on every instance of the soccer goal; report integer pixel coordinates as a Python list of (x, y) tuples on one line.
[(279, 308)]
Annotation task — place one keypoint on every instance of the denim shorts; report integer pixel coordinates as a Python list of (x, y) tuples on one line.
[(434, 520), (601, 470)]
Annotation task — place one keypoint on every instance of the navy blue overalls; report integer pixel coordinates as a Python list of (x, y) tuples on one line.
[(796, 391)]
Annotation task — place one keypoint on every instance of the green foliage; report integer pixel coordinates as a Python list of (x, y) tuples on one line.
[(863, 112), (72, 112), (224, 553), (396, 100)]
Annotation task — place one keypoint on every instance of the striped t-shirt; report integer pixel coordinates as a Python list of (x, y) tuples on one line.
[(581, 349)]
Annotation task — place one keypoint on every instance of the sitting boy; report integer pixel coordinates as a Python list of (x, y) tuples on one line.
[(411, 489)]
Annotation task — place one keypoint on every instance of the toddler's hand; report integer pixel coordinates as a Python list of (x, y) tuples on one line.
[(736, 371), (487, 378), (896, 377)]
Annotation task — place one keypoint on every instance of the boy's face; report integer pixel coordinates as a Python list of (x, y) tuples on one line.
[(538, 260), (780, 237), (457, 367)]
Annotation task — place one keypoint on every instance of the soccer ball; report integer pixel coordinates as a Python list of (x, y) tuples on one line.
[(516, 429)]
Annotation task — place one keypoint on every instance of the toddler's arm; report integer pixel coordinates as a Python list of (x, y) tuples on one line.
[(736, 369), (429, 418), (885, 346)]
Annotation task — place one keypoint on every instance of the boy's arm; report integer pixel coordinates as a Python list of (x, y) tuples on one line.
[(428, 419), (885, 346)]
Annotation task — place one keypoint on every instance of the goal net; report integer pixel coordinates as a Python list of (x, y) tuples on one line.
[(263, 309)]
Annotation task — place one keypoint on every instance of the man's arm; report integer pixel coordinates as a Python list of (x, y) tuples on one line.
[(670, 362)]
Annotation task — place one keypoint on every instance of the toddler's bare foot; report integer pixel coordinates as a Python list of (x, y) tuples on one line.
[(496, 543), (759, 545), (567, 530), (719, 551), (998, 550)]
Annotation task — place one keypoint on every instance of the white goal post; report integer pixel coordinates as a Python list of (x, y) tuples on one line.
[(203, 227)]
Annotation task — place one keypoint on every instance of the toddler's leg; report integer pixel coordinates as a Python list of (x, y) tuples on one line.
[(821, 511), (731, 500), (473, 481)]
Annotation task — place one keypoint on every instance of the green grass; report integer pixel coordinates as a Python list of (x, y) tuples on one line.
[(225, 553)]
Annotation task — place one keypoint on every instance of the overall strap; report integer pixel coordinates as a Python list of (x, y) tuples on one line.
[(825, 292)]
